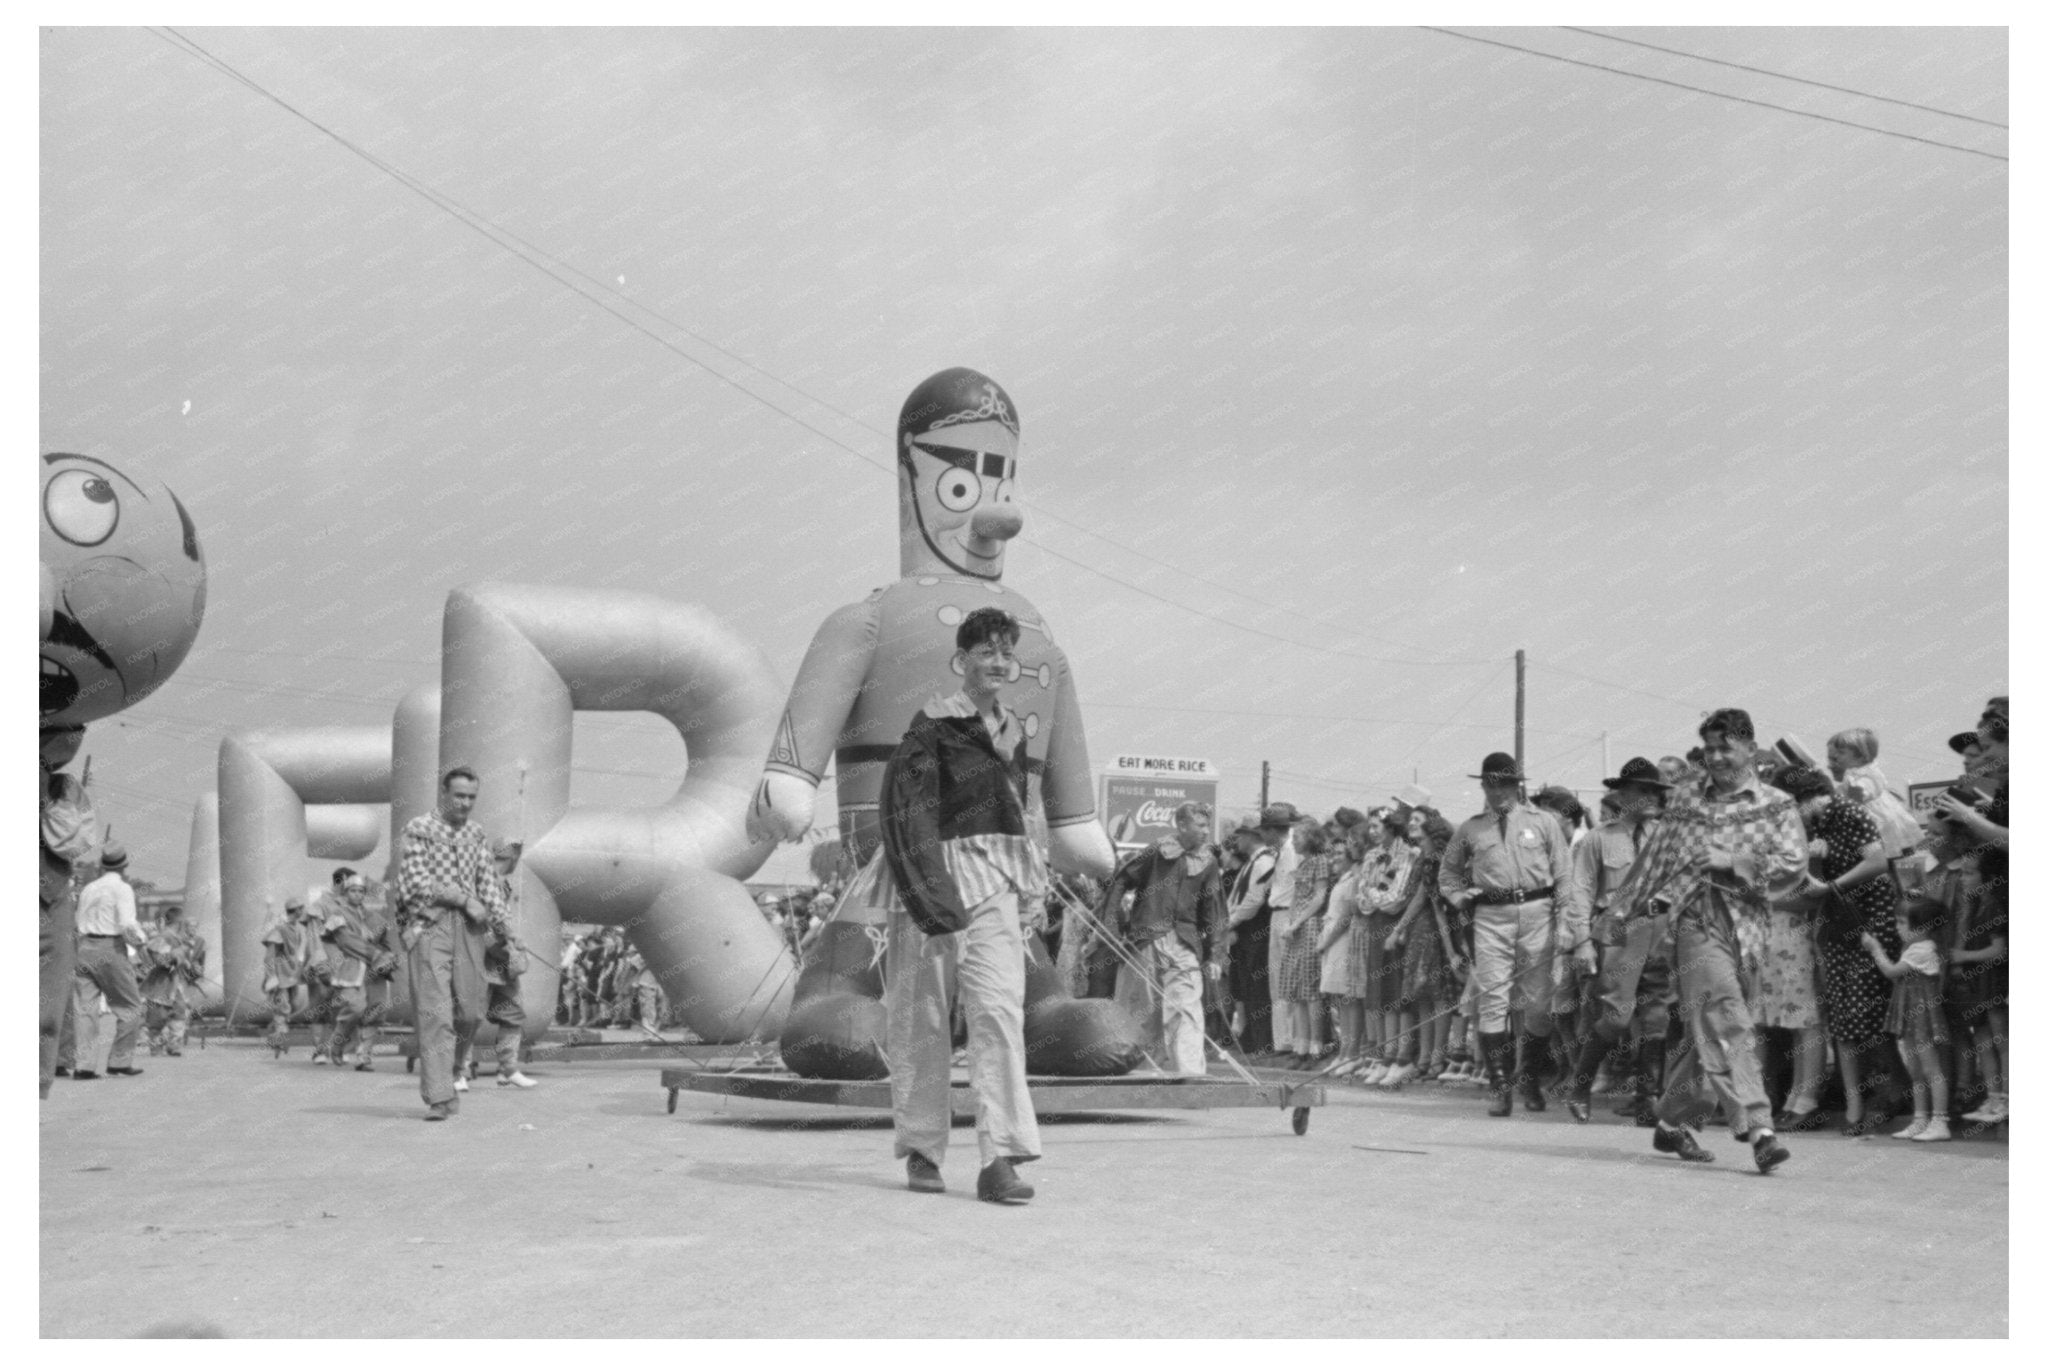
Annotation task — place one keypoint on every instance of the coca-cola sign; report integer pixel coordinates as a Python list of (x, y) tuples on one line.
[(1139, 810)]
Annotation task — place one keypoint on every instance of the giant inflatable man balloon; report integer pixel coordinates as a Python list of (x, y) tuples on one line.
[(871, 666), (123, 591)]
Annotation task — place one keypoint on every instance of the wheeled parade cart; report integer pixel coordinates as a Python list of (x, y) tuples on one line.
[(1049, 1094)]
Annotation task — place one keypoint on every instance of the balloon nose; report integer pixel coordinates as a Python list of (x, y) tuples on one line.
[(999, 522)]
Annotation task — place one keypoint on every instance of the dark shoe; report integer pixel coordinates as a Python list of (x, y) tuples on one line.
[(364, 1066), (999, 1184), (1680, 1142), (1813, 1120), (63, 1071), (437, 1112), (174, 1052), (1856, 1128), (1645, 1113), (85, 1075), (1769, 1153), (124, 1071), (1532, 1095), (924, 1174), (1500, 1102)]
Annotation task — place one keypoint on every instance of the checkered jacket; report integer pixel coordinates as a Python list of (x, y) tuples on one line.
[(431, 852), (1759, 827)]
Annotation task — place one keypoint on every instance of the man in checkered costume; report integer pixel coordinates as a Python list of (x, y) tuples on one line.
[(448, 892), (1725, 846)]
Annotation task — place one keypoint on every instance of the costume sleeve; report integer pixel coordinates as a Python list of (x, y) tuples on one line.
[(828, 683), (1209, 911), (415, 870), (911, 837), (1454, 877), (1131, 875)]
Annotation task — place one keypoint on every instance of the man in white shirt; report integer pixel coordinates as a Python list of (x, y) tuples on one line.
[(106, 926)]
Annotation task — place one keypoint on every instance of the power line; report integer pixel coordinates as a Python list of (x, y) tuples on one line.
[(554, 268), (1716, 94), (1782, 75), (1342, 719)]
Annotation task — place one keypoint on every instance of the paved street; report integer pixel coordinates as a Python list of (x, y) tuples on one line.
[(258, 1197)]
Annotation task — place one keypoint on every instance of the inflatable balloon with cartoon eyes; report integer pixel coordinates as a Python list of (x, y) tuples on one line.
[(123, 592), (870, 666)]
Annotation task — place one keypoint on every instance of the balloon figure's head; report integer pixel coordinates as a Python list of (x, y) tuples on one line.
[(123, 589), (956, 463)]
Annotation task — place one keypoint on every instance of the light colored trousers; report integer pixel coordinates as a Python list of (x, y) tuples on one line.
[(1161, 989), (1717, 1061), (1276, 951), (985, 961), (1511, 951)]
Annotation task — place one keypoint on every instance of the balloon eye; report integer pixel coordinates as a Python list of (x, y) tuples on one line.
[(81, 507), (1004, 490), (959, 490)]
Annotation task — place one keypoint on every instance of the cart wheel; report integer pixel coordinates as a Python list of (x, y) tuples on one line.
[(671, 1101), (1301, 1120)]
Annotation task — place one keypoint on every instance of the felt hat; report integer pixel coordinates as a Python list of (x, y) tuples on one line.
[(1279, 815), (1962, 743), (1637, 772), (1498, 767)]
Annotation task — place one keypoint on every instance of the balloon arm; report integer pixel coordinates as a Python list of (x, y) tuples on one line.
[(1082, 847)]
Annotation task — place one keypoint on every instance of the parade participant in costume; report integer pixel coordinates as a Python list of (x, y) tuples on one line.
[(1507, 866), (867, 669), (448, 889), (1633, 984), (294, 972), (1721, 845), (362, 953), (968, 875), (1175, 933), (504, 963), (106, 928), (174, 963)]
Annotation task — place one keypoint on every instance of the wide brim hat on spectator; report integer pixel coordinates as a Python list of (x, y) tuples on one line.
[(1964, 742), (1414, 797), (1637, 772), (113, 856), (1498, 767), (292, 903), (1279, 815)]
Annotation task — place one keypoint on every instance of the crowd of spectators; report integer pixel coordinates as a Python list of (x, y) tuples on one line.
[(1879, 989)]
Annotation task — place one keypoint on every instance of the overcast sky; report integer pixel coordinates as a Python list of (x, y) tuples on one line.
[(1348, 362)]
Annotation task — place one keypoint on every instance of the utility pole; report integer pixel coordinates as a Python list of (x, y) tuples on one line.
[(1521, 673), (1606, 766), (1265, 784)]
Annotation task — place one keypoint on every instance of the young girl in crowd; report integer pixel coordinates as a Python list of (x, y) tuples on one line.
[(1383, 878), (1333, 949), (1916, 1014)]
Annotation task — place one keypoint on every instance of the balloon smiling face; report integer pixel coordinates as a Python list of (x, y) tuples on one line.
[(956, 463), (958, 484), (123, 585)]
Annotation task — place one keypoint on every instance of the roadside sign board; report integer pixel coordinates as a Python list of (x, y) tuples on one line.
[(1140, 793)]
